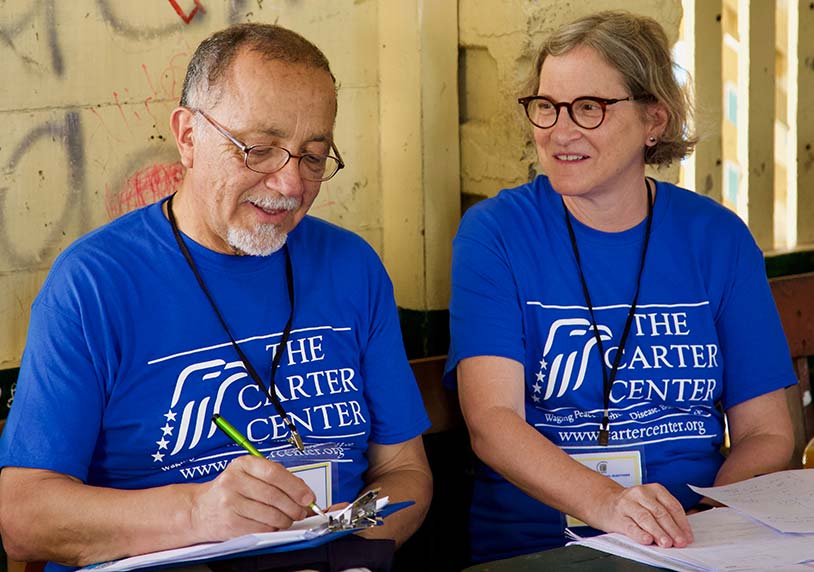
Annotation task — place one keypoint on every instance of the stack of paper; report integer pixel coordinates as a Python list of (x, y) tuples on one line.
[(768, 526)]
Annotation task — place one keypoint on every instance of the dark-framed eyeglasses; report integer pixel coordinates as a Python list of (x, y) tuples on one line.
[(268, 159), (587, 112)]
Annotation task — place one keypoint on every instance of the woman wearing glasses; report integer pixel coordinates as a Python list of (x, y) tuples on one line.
[(599, 317)]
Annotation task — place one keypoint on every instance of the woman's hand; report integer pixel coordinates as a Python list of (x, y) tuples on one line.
[(648, 514)]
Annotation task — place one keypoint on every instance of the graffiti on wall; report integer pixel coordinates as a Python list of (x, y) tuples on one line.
[(71, 164)]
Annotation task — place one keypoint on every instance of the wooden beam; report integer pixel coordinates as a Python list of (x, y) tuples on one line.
[(756, 80), (801, 122), (705, 37)]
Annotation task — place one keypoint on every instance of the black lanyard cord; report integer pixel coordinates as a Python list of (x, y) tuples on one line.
[(270, 392), (607, 380)]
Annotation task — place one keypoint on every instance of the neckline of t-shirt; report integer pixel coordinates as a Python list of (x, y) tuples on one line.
[(204, 257), (633, 235)]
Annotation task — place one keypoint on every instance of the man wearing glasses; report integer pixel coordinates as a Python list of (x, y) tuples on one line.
[(225, 299)]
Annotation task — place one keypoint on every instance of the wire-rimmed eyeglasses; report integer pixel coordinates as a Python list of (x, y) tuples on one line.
[(587, 112), (268, 159)]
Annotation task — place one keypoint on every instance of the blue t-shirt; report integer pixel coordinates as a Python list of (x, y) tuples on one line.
[(705, 331), (126, 362)]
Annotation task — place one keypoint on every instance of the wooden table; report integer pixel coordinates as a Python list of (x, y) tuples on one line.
[(567, 559)]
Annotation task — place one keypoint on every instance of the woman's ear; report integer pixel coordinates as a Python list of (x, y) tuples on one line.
[(181, 121), (657, 117)]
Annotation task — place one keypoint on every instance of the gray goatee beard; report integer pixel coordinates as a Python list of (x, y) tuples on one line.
[(262, 239)]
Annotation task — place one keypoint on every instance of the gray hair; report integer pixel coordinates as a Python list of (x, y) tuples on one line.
[(214, 56), (637, 47)]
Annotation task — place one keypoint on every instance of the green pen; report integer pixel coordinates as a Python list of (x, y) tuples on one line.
[(241, 440)]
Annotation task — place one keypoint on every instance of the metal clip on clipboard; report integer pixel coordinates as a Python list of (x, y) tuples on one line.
[(360, 514)]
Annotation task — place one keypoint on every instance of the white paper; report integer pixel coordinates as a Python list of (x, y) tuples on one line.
[(782, 500), (724, 540), (300, 530)]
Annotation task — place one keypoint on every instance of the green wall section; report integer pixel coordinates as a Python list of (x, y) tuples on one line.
[(7, 379), (787, 264), (425, 332)]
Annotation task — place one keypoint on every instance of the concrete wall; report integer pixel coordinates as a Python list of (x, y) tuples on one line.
[(498, 45), (87, 87), (86, 92)]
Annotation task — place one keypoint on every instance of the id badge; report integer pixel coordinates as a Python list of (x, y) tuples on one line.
[(318, 478), (624, 467), (316, 465)]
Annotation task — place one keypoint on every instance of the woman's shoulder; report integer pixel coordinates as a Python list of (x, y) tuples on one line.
[(513, 204), (691, 202), (703, 213)]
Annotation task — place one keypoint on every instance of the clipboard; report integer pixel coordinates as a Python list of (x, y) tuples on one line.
[(307, 533)]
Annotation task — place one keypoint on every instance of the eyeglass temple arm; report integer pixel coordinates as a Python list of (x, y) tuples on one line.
[(338, 155)]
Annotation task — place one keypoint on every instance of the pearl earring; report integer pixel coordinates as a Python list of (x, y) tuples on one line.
[(652, 139)]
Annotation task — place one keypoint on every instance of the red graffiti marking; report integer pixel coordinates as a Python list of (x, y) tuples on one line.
[(121, 111), (147, 107), (168, 81), (148, 185), (104, 124), (149, 80), (187, 18)]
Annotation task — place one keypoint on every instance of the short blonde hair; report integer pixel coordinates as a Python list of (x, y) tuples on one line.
[(637, 47)]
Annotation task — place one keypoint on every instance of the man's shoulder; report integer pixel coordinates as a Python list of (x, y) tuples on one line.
[(128, 228), (330, 236), (112, 244)]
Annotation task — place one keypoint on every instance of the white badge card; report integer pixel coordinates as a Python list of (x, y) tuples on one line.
[(624, 467), (317, 465), (318, 478)]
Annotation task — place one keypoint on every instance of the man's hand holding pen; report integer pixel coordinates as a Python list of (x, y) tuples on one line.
[(252, 495)]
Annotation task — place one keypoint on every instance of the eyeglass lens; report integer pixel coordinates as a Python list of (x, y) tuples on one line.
[(312, 167), (585, 112)]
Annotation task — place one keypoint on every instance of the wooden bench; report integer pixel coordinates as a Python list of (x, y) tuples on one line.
[(794, 296)]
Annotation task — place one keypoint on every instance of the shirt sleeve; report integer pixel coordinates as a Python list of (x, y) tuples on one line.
[(485, 310), (754, 350), (393, 398), (57, 410)]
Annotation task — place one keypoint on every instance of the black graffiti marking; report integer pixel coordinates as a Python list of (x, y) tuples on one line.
[(68, 133), (134, 32), (8, 33), (237, 11)]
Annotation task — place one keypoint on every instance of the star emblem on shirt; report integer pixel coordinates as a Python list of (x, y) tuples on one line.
[(538, 383), (167, 429)]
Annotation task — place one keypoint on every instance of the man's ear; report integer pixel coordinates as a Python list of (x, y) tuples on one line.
[(181, 121)]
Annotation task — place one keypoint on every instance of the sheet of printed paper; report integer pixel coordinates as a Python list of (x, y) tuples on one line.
[(724, 540), (783, 500)]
